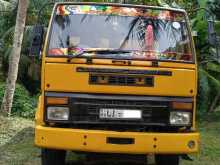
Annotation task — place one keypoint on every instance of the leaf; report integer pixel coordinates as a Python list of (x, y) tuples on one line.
[(215, 81), (8, 33), (162, 3), (175, 5), (6, 6), (203, 84), (213, 67), (202, 3)]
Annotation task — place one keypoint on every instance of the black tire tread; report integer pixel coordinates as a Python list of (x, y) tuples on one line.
[(53, 157), (167, 159)]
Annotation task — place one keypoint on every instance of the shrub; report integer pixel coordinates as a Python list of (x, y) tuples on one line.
[(23, 105)]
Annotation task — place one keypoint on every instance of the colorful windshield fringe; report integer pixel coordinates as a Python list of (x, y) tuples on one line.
[(66, 10)]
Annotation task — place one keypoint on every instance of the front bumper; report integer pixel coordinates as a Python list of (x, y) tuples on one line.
[(95, 141)]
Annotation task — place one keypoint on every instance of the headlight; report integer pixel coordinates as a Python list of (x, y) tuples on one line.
[(180, 118), (58, 113)]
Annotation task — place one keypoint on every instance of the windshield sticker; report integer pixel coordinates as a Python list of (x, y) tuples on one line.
[(65, 10), (65, 51), (176, 25), (75, 50), (58, 51)]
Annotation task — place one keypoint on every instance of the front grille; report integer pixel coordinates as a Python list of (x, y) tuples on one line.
[(86, 111)]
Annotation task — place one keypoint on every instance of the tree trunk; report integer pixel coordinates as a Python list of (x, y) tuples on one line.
[(14, 58)]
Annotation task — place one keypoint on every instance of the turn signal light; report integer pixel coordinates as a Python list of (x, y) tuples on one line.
[(57, 100), (182, 105)]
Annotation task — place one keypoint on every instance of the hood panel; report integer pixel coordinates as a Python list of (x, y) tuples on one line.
[(60, 77)]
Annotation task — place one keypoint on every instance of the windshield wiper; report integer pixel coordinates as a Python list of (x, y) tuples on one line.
[(70, 57), (97, 51)]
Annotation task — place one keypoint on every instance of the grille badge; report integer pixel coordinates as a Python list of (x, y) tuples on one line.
[(123, 80)]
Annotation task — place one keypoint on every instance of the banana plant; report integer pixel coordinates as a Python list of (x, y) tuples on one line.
[(214, 6), (213, 76)]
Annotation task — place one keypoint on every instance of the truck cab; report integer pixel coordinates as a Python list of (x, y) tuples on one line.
[(117, 79)]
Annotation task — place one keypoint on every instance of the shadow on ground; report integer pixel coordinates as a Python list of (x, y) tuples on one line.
[(101, 163)]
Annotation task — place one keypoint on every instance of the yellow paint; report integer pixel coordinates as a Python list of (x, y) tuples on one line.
[(133, 63), (39, 113), (62, 77), (95, 141), (179, 84)]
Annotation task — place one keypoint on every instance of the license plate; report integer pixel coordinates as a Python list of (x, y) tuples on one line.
[(110, 113)]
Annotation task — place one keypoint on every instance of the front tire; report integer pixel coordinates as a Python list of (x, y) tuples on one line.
[(53, 157), (167, 159)]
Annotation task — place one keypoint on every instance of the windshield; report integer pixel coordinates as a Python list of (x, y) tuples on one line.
[(143, 33)]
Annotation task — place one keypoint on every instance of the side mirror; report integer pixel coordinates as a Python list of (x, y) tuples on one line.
[(37, 40), (212, 36)]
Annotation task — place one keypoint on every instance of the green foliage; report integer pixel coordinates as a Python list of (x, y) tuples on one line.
[(213, 67), (209, 76), (7, 5), (203, 94), (29, 72), (23, 105), (214, 5)]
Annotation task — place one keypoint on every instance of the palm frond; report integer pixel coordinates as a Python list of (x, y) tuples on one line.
[(9, 33), (162, 3), (204, 92), (132, 25), (6, 6), (215, 81), (213, 67)]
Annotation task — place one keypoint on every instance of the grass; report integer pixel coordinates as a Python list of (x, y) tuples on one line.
[(16, 147), (16, 142), (210, 141)]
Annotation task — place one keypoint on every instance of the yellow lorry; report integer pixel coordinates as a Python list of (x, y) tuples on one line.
[(116, 80)]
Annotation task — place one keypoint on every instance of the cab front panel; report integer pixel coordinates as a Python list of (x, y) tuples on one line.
[(86, 87)]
